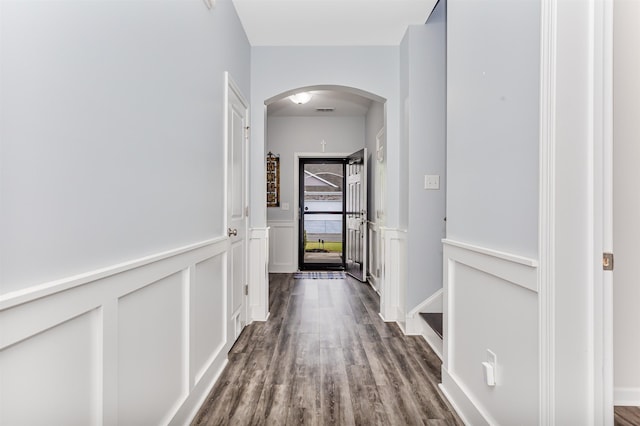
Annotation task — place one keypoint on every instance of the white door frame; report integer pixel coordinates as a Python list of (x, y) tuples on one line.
[(598, 184), (231, 86)]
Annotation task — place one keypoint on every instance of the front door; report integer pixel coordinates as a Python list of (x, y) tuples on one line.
[(321, 213), (356, 215), (237, 137)]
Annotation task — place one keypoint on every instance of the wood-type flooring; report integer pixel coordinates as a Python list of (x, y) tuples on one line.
[(325, 357), (627, 416)]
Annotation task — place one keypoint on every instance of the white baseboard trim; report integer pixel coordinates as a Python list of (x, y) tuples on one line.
[(432, 304), (469, 412), (187, 412), (626, 397), (417, 326)]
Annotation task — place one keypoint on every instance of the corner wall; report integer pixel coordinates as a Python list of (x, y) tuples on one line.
[(423, 82)]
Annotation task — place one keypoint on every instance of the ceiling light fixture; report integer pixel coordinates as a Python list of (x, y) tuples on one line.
[(300, 98)]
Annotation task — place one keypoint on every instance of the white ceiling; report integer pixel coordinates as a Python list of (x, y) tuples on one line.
[(345, 104), (330, 22)]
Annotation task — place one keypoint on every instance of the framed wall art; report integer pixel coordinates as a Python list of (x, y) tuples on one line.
[(273, 180)]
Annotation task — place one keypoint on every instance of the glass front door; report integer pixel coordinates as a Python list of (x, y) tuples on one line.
[(322, 219)]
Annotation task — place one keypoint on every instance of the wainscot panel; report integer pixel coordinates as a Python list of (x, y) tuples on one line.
[(138, 342), (491, 304)]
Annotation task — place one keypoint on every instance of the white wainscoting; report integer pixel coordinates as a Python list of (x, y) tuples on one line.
[(282, 246), (490, 302), (137, 343), (393, 260), (258, 274), (374, 267)]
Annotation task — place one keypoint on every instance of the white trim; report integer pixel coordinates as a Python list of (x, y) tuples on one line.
[(276, 240), (526, 261), (31, 314), (432, 304), (258, 274), (468, 409), (604, 392), (546, 214), (515, 269), (629, 397), (30, 294), (416, 325), (374, 241), (393, 274)]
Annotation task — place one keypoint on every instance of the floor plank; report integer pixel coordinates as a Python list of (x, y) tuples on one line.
[(627, 416), (325, 357)]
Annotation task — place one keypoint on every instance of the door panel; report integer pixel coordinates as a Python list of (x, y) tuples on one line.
[(356, 215), (236, 213)]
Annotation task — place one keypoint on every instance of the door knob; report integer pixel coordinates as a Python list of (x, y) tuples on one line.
[(232, 232)]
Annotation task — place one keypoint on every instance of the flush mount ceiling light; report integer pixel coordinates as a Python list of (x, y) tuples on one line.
[(300, 98)]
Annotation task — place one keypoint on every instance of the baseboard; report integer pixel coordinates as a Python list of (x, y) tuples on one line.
[(417, 326), (626, 396), (469, 412), (432, 304), (187, 412)]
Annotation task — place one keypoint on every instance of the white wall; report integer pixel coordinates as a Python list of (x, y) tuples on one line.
[(276, 70), (113, 258), (626, 201), (491, 251), (111, 131), (426, 116), (288, 135)]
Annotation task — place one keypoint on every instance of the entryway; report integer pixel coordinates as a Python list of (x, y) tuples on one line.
[(333, 214)]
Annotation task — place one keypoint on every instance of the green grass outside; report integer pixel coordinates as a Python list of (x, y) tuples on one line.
[(329, 246)]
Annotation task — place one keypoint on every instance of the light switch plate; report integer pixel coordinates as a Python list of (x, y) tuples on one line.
[(431, 182), (285, 206)]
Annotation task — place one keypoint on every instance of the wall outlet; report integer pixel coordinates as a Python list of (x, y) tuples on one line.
[(490, 368), (431, 182)]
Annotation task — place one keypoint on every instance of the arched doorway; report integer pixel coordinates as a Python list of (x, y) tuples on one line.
[(336, 122)]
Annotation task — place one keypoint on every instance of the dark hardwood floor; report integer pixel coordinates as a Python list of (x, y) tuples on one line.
[(325, 357), (627, 416)]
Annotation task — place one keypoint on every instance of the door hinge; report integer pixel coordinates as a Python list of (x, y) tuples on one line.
[(246, 290), (607, 261), (246, 132), (246, 211)]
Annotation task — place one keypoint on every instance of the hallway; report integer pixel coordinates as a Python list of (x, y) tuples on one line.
[(325, 357)]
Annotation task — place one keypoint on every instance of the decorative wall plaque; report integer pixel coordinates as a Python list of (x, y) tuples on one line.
[(273, 180)]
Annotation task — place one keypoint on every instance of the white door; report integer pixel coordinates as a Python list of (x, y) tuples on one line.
[(356, 215), (237, 138)]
